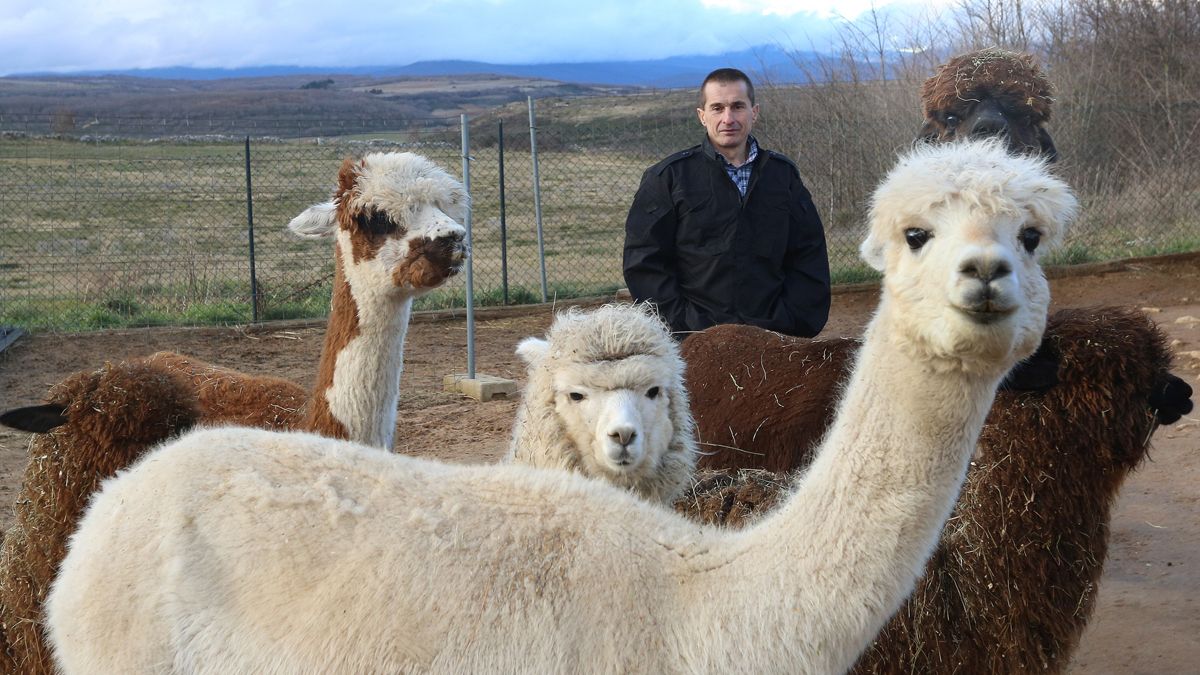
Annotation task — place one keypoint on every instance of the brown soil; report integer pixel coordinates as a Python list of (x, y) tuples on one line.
[(1147, 619)]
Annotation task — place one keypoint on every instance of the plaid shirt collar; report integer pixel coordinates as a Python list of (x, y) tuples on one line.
[(740, 175)]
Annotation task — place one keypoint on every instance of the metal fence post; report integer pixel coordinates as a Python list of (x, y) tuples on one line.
[(250, 234), (466, 171), (503, 221), (537, 198)]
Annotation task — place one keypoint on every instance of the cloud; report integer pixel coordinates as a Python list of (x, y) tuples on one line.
[(67, 35)]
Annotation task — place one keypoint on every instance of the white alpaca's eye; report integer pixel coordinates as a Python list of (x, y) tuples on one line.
[(1030, 238), (652, 392), (916, 237), (576, 396)]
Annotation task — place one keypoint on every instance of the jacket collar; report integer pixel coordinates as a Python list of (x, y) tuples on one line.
[(710, 151)]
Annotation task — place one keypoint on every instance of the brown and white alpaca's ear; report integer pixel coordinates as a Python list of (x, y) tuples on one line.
[(532, 350), (316, 222)]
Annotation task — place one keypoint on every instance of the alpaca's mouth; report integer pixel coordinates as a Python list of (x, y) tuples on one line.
[(987, 313)]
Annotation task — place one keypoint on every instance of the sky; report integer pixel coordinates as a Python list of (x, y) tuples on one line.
[(73, 35)]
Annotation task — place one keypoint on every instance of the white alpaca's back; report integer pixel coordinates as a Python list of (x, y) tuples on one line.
[(301, 554)]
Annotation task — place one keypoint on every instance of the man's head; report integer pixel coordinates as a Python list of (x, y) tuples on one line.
[(727, 109)]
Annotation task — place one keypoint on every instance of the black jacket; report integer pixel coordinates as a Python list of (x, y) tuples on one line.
[(705, 256)]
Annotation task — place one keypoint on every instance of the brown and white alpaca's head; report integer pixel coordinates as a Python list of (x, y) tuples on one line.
[(958, 230), (396, 217), (990, 92)]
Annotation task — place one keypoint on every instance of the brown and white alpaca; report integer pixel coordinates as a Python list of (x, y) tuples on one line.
[(512, 568), (396, 221), (395, 217)]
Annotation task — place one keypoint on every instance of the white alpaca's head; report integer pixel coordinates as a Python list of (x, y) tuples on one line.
[(396, 217), (958, 230), (605, 397)]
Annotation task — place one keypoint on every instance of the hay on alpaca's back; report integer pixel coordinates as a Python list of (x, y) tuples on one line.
[(226, 396), (115, 414)]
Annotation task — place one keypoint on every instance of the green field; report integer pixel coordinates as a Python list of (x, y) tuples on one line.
[(108, 233)]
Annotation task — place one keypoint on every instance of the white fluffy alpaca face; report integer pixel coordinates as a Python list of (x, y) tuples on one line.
[(617, 413), (958, 231)]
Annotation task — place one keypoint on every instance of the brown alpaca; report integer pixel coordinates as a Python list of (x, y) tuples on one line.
[(994, 599), (990, 92), (112, 416), (395, 220)]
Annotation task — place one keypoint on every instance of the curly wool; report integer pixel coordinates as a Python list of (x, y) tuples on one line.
[(988, 602), (1008, 74), (116, 414)]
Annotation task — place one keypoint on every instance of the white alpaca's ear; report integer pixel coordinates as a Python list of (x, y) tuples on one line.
[(871, 251), (317, 221), (1054, 206), (532, 350)]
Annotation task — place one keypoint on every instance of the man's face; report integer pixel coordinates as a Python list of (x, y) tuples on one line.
[(727, 114)]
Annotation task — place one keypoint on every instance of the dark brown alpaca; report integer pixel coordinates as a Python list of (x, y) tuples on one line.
[(1012, 582), (990, 92), (112, 416)]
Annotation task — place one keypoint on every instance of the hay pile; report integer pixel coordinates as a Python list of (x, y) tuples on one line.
[(732, 497)]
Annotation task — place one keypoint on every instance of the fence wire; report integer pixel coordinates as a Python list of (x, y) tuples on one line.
[(138, 221)]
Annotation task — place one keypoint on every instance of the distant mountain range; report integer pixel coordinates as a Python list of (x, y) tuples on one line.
[(676, 71)]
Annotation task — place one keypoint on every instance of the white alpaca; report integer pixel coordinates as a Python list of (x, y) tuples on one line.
[(605, 398), (395, 218), (234, 550)]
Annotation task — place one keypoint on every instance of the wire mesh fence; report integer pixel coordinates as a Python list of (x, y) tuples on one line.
[(139, 221)]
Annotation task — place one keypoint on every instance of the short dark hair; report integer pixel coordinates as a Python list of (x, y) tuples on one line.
[(725, 76)]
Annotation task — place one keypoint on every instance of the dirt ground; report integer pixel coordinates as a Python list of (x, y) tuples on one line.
[(1147, 618)]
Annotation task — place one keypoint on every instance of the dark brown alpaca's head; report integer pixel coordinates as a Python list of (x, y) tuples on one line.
[(990, 92)]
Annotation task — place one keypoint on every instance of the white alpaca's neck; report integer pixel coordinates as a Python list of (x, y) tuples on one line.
[(358, 384), (869, 510)]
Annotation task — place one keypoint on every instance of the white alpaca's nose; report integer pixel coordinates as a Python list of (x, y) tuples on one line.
[(985, 269), (623, 434), (624, 448), (621, 431), (986, 282)]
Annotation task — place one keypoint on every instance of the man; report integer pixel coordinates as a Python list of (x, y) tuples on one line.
[(726, 232)]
